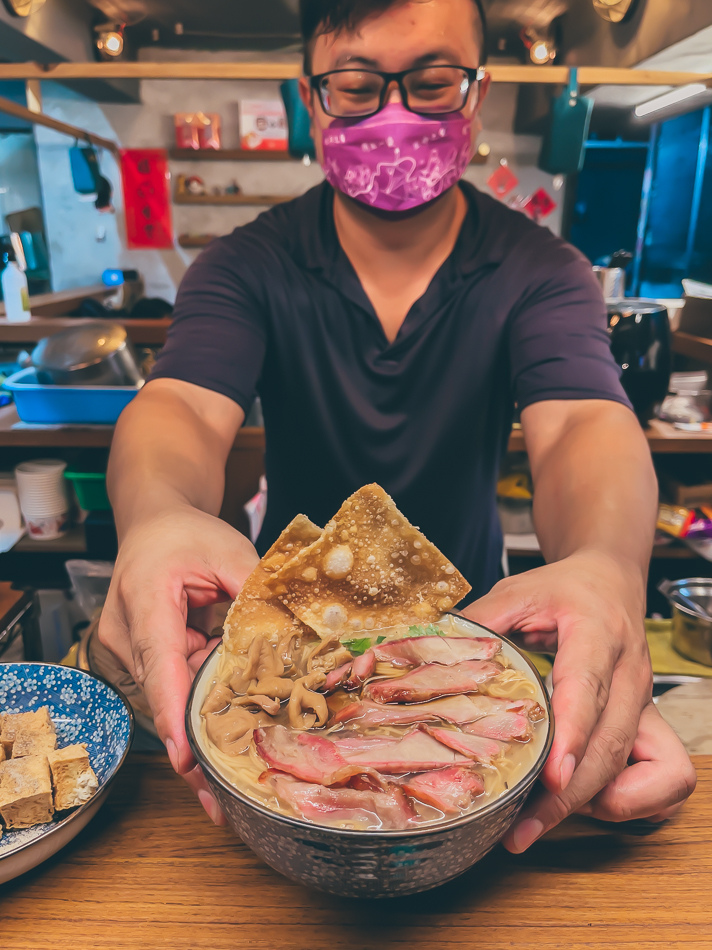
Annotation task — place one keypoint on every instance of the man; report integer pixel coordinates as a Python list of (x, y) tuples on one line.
[(388, 319)]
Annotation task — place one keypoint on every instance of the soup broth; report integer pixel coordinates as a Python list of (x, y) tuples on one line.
[(402, 728)]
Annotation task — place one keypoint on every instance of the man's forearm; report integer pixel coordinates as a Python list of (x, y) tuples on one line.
[(595, 488), (163, 456)]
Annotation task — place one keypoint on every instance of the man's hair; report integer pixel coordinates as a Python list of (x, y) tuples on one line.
[(331, 16)]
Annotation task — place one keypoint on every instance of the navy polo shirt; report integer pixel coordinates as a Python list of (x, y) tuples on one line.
[(514, 315)]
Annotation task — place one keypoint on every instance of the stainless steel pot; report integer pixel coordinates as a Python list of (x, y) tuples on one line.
[(691, 631), (94, 353)]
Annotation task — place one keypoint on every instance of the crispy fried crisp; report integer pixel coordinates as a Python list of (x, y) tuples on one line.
[(370, 568), (256, 611)]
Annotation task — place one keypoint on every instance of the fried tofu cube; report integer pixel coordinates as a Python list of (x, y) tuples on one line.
[(25, 791), (2, 753), (73, 777), (29, 741), (37, 722)]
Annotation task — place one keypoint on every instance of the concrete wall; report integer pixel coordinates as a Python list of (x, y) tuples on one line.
[(19, 175), (84, 242)]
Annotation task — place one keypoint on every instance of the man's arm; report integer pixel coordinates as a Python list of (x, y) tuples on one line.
[(595, 499), (166, 481)]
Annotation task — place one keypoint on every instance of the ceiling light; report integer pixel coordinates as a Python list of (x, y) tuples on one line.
[(110, 42), (670, 98), (542, 48)]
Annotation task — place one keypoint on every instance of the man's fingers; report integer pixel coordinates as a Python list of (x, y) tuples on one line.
[(655, 785), (160, 657), (196, 659), (196, 780), (509, 607), (583, 668), (605, 757)]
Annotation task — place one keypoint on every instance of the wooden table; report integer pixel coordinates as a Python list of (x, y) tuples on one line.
[(152, 871)]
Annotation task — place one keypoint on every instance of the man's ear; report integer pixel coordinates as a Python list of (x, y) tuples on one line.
[(484, 89), (305, 94)]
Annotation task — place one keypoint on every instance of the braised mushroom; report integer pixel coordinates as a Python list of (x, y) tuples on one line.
[(219, 698), (231, 731), (308, 708), (276, 687), (265, 703)]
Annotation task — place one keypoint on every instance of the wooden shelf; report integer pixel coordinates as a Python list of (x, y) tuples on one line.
[(660, 552), (231, 155), (64, 301), (695, 347), (504, 72), (238, 199), (77, 436), (196, 240), (73, 542), (142, 332), (663, 438)]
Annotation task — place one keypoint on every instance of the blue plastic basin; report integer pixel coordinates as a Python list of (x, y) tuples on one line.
[(54, 405)]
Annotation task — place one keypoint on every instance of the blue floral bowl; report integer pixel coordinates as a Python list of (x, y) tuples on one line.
[(369, 863), (83, 708)]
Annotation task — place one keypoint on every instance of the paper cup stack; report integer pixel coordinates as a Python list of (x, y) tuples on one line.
[(43, 497)]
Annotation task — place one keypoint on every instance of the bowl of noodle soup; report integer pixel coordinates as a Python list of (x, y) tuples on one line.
[(346, 853)]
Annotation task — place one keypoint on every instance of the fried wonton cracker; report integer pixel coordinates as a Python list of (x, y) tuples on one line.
[(256, 611), (370, 568)]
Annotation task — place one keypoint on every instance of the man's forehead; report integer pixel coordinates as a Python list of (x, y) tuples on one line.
[(404, 35)]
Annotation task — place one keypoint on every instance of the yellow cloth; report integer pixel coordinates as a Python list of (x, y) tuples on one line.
[(665, 658), (541, 661)]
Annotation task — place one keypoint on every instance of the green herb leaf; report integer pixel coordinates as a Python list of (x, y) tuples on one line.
[(357, 647), (379, 640), (430, 631)]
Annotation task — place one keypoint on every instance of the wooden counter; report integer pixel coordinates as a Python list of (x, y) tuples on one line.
[(62, 301), (152, 871)]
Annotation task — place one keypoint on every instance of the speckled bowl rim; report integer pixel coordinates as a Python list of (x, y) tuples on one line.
[(522, 786), (102, 790)]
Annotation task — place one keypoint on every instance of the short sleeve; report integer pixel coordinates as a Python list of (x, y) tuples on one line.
[(558, 339), (217, 336)]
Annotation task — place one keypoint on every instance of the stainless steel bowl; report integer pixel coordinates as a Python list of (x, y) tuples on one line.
[(95, 353), (367, 863), (691, 632)]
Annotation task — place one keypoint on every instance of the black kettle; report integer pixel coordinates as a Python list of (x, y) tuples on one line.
[(640, 343)]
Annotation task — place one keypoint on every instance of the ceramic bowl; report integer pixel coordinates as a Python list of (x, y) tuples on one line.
[(368, 863), (83, 708)]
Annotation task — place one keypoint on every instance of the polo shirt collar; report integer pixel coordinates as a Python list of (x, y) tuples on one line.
[(317, 246)]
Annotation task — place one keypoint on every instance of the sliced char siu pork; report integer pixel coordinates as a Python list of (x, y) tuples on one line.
[(433, 681), (414, 752), (455, 709), (416, 651), (452, 790), (386, 807)]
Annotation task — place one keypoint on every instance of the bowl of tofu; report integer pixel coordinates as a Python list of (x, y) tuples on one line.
[(64, 735)]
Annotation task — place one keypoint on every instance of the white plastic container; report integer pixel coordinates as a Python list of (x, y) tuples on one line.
[(15, 292), (43, 497)]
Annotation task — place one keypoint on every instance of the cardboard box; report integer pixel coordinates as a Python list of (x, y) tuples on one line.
[(263, 124), (696, 317)]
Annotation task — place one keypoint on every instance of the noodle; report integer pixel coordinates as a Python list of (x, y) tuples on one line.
[(516, 681)]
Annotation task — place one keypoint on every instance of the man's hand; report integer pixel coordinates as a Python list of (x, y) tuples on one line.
[(602, 694), (170, 569)]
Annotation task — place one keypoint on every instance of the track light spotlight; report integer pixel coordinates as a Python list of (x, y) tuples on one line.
[(110, 41), (541, 47)]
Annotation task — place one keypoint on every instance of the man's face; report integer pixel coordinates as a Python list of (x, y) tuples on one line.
[(409, 34)]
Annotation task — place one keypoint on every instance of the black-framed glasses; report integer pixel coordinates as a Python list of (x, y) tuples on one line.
[(428, 90)]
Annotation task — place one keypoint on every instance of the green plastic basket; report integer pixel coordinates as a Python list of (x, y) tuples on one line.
[(90, 488)]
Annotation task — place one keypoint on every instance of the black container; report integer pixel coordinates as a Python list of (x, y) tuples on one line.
[(640, 343)]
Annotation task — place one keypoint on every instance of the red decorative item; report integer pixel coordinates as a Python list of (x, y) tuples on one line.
[(502, 180), (147, 198), (539, 205)]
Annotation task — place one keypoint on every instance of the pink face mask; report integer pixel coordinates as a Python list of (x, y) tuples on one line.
[(396, 160)]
